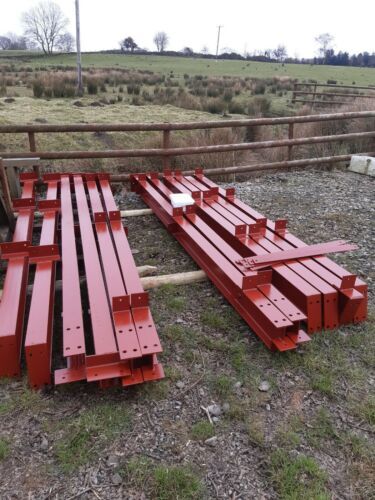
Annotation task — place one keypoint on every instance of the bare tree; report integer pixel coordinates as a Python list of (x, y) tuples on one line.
[(161, 41), (324, 40), (65, 42), (44, 24)]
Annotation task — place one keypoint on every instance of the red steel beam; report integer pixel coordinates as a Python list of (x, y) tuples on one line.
[(144, 324), (261, 261), (38, 340), (338, 303), (73, 327), (101, 321), (12, 304), (126, 334), (302, 268), (100, 313), (74, 348), (305, 296), (266, 320), (352, 301)]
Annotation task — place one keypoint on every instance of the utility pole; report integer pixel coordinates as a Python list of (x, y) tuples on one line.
[(218, 40), (78, 43)]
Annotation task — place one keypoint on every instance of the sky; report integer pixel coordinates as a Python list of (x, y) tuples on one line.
[(247, 25)]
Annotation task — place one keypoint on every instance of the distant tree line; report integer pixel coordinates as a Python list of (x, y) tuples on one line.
[(45, 29), (327, 54)]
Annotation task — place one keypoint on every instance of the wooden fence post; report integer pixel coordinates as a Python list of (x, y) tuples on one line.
[(290, 136), (6, 198), (166, 145), (32, 145), (314, 95), (294, 92)]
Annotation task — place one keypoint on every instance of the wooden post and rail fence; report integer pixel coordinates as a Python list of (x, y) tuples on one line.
[(311, 90), (167, 152), (33, 157)]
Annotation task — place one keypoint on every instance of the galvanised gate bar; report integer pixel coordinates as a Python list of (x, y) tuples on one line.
[(118, 342)]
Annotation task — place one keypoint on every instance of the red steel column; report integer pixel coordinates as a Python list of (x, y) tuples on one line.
[(146, 331), (12, 305), (38, 341)]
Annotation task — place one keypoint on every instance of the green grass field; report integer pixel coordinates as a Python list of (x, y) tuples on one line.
[(195, 66)]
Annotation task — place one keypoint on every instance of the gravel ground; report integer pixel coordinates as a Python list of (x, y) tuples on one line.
[(309, 431)]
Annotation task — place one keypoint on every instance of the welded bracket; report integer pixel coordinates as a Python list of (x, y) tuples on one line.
[(46, 205), (23, 203), (14, 249), (252, 280), (280, 225), (121, 303), (43, 253), (348, 282)]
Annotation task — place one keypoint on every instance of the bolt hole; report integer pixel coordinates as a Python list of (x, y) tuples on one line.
[(145, 347), (120, 331)]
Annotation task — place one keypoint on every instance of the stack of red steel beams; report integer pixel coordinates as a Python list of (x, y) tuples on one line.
[(113, 339), (284, 289)]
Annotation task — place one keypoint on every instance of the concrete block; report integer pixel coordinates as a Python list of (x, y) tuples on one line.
[(362, 165)]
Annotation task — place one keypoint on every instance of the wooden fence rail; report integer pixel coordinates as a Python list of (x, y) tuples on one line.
[(166, 152), (296, 93)]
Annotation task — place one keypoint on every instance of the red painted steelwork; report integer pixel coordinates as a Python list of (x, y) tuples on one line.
[(120, 344), (38, 341), (12, 304), (214, 256), (261, 261), (124, 322), (144, 326), (352, 301), (220, 231)]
